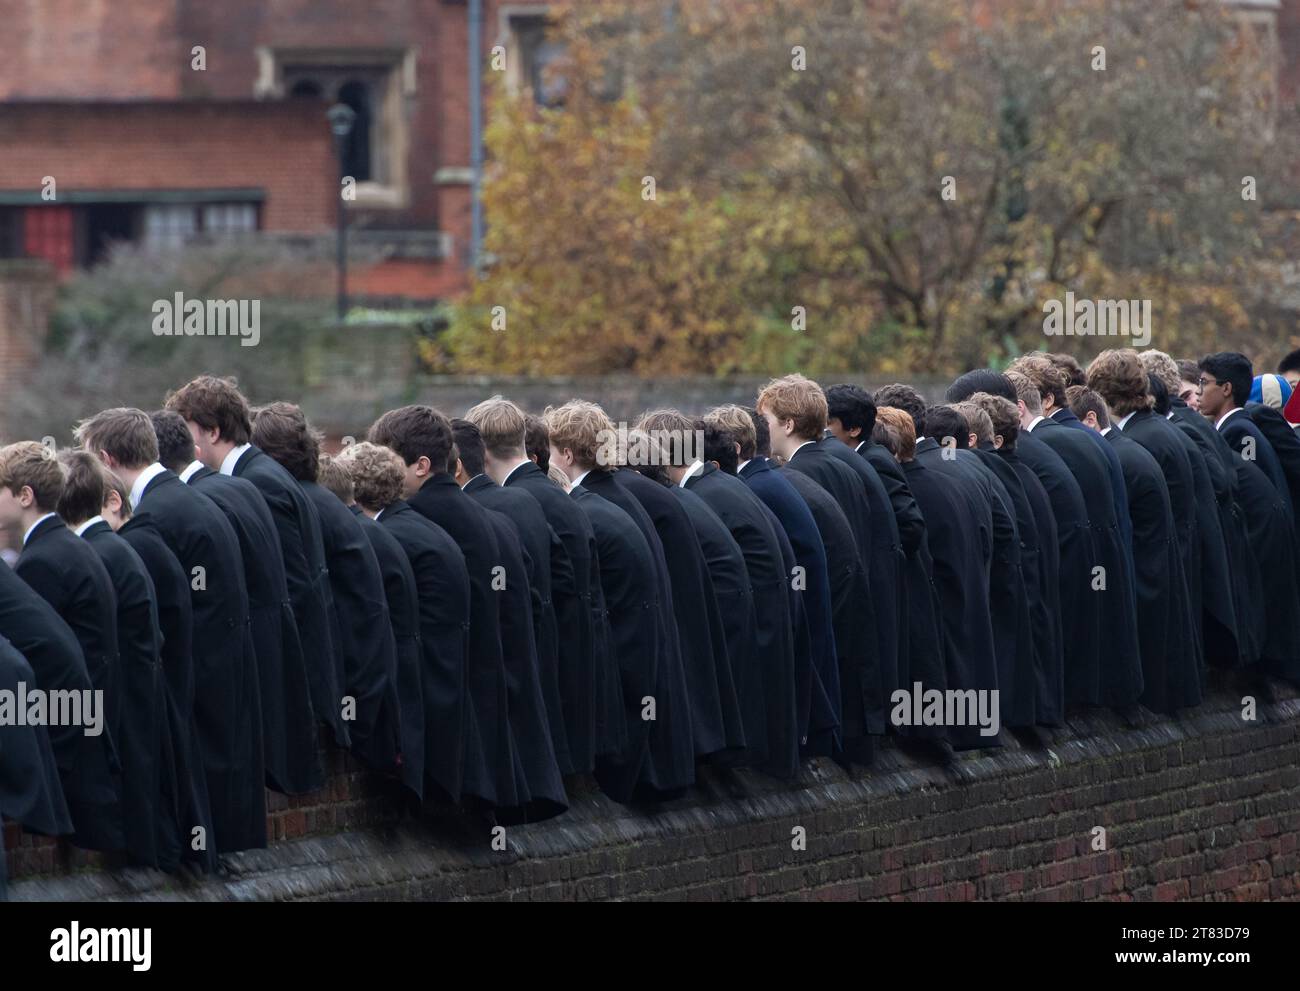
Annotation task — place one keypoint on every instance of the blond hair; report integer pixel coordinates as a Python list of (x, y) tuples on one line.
[(502, 425), (33, 465), (737, 421), (793, 397), (904, 428), (583, 428)]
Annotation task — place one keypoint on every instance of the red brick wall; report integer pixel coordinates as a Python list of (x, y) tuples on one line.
[(26, 297), (280, 148), (1204, 807)]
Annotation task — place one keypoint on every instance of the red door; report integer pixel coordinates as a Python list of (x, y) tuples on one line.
[(49, 235)]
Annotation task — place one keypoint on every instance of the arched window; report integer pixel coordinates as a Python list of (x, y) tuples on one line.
[(356, 148)]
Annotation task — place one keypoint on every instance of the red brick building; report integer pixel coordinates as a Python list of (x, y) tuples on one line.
[(156, 121)]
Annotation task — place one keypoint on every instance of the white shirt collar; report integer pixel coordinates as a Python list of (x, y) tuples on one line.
[(798, 449), (35, 525), (1169, 415), (1123, 420), (861, 445), (578, 481), (741, 467), (379, 514), (1034, 422), (462, 488), (1106, 430), (79, 531), (228, 465), (190, 470), (1218, 424), (693, 470), (144, 478)]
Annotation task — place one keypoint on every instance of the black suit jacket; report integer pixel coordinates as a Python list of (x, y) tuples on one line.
[(1167, 625), (183, 804), (548, 565), (707, 667), (490, 757), (1045, 600), (818, 679), (1282, 439), (303, 549), (88, 765), (767, 692), (731, 590), (225, 700), (1247, 441), (670, 765), (574, 598), (69, 575), (364, 632), (540, 792), (443, 598), (630, 593), (855, 486), (288, 721), (404, 620), (141, 688), (30, 791), (1116, 676)]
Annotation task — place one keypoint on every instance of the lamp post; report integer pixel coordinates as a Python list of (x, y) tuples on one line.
[(476, 131), (341, 118)]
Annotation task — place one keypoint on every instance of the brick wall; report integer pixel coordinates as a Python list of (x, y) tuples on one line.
[(26, 297), (1202, 807), (282, 148)]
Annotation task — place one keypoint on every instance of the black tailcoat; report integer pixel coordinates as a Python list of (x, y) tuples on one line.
[(548, 562), (305, 572), (1281, 437), (818, 685), (855, 486), (887, 546), (573, 596), (630, 592), (1271, 536), (364, 633), (224, 696), (735, 616), (1246, 440), (1045, 604), (52, 614), (767, 691), (670, 767), (289, 738), (443, 594), (960, 552), (695, 608), (1164, 442), (1021, 581), (1171, 675), (183, 803), (30, 792), (140, 684), (404, 619), (1115, 676), (540, 792), (489, 745)]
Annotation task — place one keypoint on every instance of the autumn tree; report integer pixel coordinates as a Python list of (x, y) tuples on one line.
[(883, 186)]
